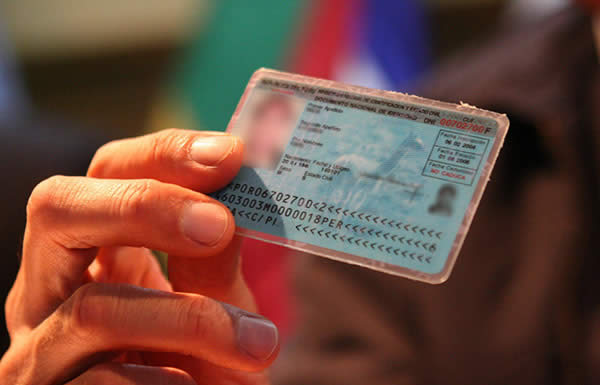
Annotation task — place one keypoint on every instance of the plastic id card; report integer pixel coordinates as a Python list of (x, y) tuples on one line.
[(374, 178)]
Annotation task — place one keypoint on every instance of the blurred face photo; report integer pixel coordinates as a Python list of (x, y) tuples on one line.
[(270, 125)]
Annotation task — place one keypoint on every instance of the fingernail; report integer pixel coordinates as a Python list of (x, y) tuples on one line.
[(205, 222), (212, 150), (257, 337)]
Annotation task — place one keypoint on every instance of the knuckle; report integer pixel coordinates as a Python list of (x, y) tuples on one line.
[(195, 316), (133, 198), (50, 205), (9, 310), (9, 303), (85, 312), (168, 144), (97, 166), (46, 196)]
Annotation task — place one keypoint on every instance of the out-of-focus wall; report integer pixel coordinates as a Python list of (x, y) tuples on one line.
[(98, 63), (51, 29)]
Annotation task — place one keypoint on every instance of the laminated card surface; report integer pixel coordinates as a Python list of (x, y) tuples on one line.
[(375, 178)]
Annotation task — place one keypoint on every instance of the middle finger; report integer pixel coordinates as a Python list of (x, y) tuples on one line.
[(69, 217)]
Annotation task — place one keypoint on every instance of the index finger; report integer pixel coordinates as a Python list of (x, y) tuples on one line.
[(199, 160)]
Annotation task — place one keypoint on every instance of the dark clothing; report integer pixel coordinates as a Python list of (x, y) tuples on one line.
[(523, 303)]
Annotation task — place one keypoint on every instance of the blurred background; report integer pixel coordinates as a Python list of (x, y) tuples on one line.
[(77, 73)]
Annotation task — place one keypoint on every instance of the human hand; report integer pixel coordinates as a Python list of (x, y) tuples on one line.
[(90, 304)]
